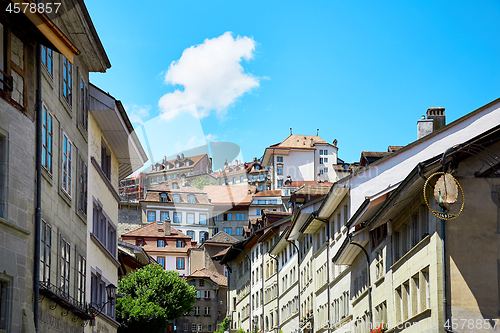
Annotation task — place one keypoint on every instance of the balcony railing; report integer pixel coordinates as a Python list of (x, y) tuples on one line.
[(62, 298)]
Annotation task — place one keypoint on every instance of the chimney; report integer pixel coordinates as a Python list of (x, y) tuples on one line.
[(166, 224), (152, 167), (435, 120), (335, 143), (290, 131), (312, 142), (437, 115), (317, 132), (182, 156)]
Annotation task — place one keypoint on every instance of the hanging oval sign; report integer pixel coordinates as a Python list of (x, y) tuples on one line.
[(446, 192)]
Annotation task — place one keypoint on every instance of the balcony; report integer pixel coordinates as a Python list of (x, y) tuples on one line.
[(56, 294)]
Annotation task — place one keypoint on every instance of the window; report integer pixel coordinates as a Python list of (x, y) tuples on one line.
[(45, 248), (191, 234), (379, 266), (193, 283), (47, 136), (228, 231), (64, 267), (261, 187), (111, 239), (202, 236), (163, 197), (325, 170), (191, 199), (280, 184), (203, 219), (67, 81), (151, 216), (179, 263), (82, 186), (254, 177), (321, 152), (200, 328), (280, 170), (190, 218), (186, 327), (321, 160), (105, 160), (241, 179), (198, 294), (325, 159), (67, 149), (229, 217), (201, 283), (258, 212), (80, 279), (279, 158), (161, 261), (196, 310), (177, 198), (234, 180), (320, 172), (139, 242), (239, 231), (193, 327), (215, 231), (209, 328), (47, 59), (180, 244), (163, 216), (207, 310), (84, 115), (160, 243), (177, 217)]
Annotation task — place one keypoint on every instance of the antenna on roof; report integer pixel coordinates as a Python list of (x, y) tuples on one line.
[(290, 131), (317, 132)]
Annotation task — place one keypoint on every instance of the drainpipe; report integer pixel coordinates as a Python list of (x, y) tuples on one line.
[(228, 296), (262, 278), (327, 230), (38, 176), (298, 272), (368, 273), (443, 244)]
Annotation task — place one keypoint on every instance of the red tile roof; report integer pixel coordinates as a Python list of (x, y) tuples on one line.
[(268, 193), (229, 195), (299, 142), (305, 182), (220, 279), (153, 230)]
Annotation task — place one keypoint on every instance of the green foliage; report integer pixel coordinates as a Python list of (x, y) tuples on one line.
[(240, 330), (201, 181), (224, 326), (150, 297)]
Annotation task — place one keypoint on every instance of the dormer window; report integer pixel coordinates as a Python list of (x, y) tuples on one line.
[(187, 163), (191, 199), (163, 197), (257, 167), (176, 164), (160, 223), (160, 243), (161, 230), (177, 198), (175, 186)]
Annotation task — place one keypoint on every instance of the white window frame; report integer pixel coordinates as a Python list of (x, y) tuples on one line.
[(66, 168)]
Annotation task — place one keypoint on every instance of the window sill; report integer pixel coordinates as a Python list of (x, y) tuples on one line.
[(320, 249), (379, 280), (412, 251), (109, 320), (360, 297), (48, 77), (65, 196), (11, 225), (410, 320), (48, 176), (104, 250), (81, 215), (83, 132), (105, 179), (66, 105)]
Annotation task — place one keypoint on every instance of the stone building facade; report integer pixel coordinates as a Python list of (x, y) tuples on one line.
[(210, 307)]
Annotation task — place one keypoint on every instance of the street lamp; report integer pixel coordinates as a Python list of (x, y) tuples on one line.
[(95, 309)]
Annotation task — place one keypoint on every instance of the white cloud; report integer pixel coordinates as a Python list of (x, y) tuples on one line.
[(137, 113), (210, 137), (212, 77)]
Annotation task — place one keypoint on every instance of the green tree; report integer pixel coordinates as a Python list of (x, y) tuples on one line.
[(201, 181), (224, 326), (150, 297)]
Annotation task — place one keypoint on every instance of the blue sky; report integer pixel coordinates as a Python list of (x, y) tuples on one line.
[(363, 72)]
